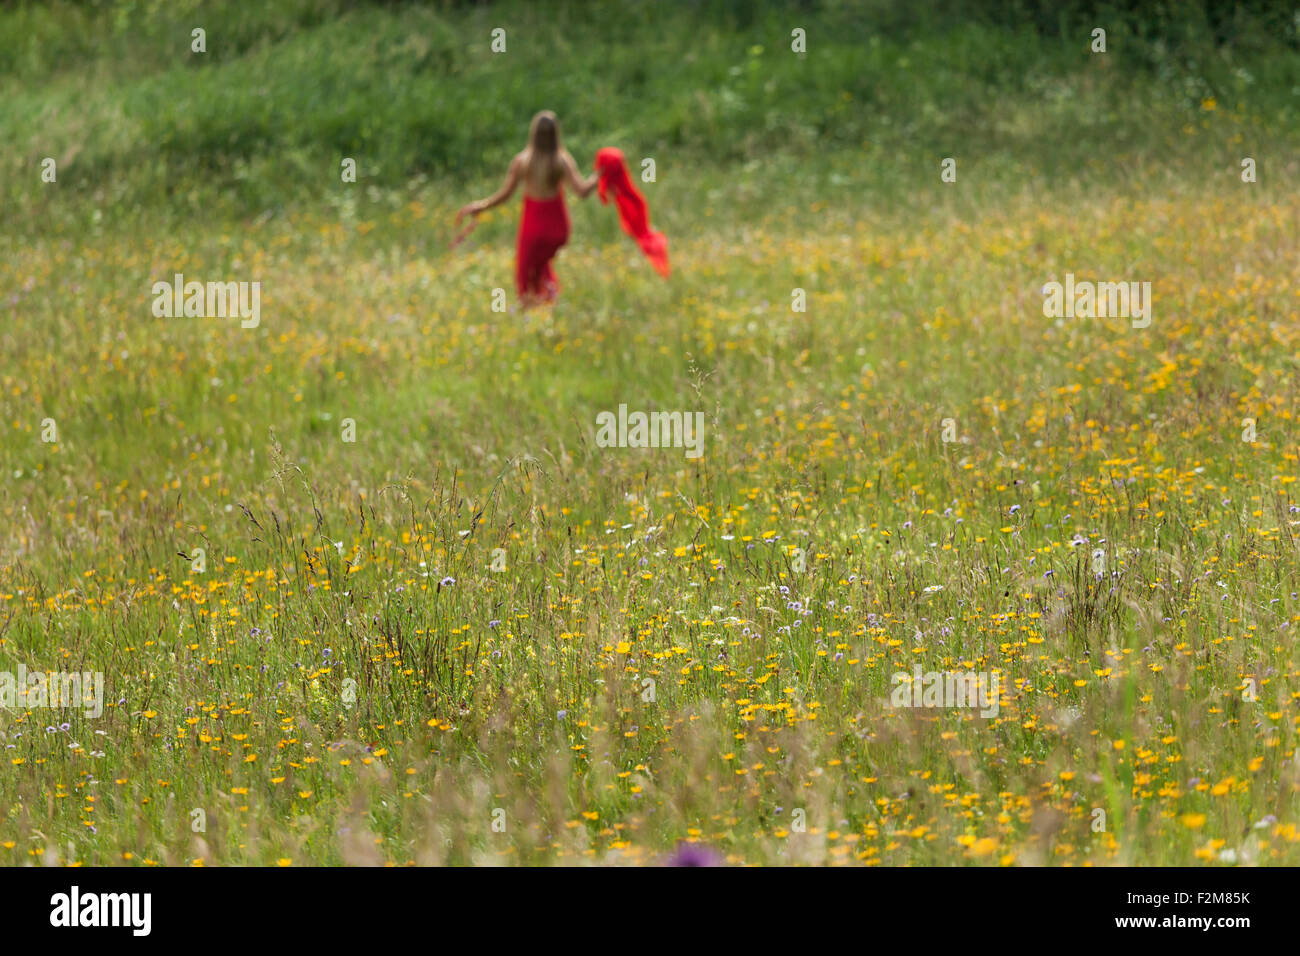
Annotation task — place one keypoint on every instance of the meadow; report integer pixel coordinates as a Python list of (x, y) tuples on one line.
[(366, 590)]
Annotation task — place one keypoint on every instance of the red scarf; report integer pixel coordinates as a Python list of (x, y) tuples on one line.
[(632, 211)]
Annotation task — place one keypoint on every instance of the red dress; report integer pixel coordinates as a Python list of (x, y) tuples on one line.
[(542, 231)]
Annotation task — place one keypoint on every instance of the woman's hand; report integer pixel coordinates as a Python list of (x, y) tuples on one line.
[(473, 209)]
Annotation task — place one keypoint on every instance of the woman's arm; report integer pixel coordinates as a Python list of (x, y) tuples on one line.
[(583, 188), (498, 197)]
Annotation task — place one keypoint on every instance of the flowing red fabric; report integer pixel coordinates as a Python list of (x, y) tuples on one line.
[(632, 211), (543, 229)]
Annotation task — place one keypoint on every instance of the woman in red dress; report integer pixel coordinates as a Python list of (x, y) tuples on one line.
[(544, 166)]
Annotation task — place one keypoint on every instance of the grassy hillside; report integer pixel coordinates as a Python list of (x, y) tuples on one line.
[(141, 126)]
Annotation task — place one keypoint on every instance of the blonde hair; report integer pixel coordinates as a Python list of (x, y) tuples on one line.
[(544, 148)]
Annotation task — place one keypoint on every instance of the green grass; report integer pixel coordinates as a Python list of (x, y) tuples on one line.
[(323, 697)]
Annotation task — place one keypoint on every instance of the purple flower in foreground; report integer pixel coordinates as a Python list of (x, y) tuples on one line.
[(693, 854)]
